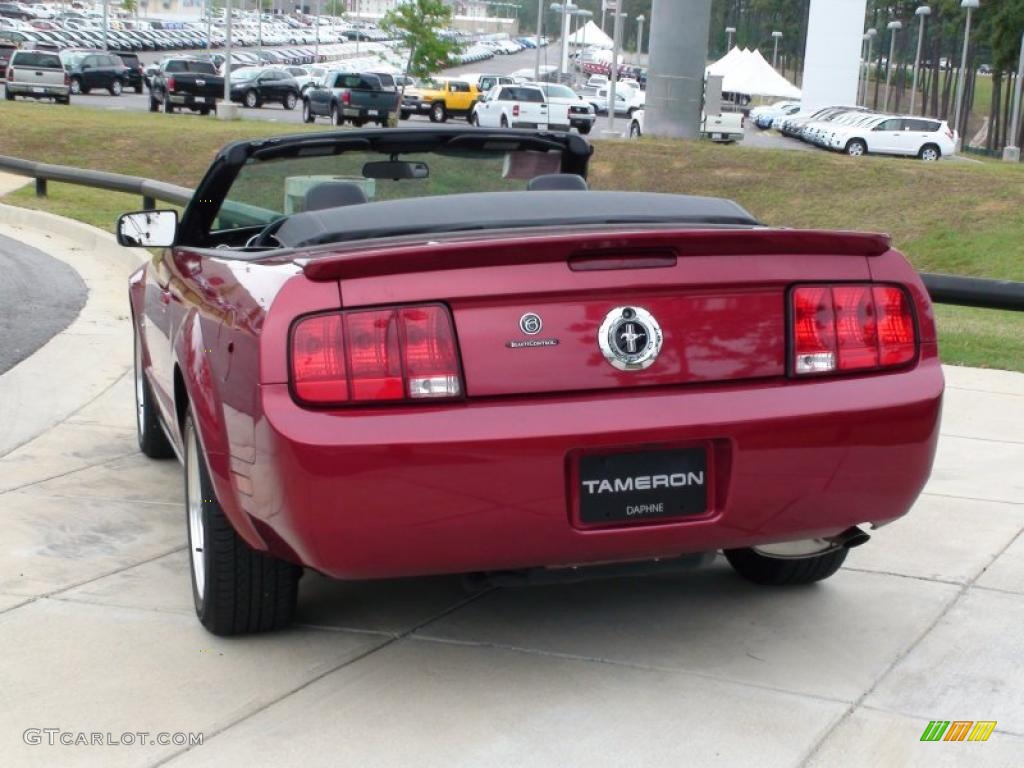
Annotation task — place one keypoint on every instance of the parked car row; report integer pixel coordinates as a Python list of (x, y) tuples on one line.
[(77, 29), (859, 131)]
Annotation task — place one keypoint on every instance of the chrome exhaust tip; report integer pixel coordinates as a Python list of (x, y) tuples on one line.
[(852, 537)]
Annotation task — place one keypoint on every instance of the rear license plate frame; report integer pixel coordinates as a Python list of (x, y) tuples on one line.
[(605, 493)]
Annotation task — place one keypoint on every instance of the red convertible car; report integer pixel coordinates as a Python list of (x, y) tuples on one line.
[(399, 352)]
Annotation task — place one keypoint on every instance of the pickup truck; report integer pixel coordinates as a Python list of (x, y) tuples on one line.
[(187, 82), (512, 106), (627, 99), (441, 99), (726, 127), (356, 97)]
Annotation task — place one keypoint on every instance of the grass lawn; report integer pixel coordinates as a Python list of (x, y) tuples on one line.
[(954, 217)]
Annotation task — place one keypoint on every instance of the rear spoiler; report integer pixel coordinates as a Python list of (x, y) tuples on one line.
[(543, 248)]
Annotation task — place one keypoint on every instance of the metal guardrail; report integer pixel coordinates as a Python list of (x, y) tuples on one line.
[(148, 189), (944, 289), (982, 292)]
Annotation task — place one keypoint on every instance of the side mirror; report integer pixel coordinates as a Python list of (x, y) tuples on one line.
[(156, 229)]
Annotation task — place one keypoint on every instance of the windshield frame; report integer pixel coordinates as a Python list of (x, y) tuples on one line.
[(196, 228)]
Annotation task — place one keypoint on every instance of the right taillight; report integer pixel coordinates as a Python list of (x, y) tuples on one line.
[(375, 356), (170, 84), (850, 327)]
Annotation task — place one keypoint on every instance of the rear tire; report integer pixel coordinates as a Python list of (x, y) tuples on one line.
[(930, 153), (336, 119), (404, 115), (116, 88), (775, 571), (236, 590), (504, 122), (76, 86), (290, 101), (438, 113), (475, 120), (585, 129), (251, 99), (152, 440), (307, 112)]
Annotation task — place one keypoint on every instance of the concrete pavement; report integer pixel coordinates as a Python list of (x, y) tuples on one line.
[(97, 632)]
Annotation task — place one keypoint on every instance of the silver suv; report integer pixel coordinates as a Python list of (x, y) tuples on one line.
[(38, 75)]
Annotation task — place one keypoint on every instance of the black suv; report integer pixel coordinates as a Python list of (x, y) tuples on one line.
[(94, 69), (133, 77)]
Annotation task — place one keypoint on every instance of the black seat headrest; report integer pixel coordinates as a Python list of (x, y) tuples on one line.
[(334, 194), (555, 182)]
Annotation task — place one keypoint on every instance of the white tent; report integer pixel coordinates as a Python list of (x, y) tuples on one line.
[(747, 72), (591, 35)]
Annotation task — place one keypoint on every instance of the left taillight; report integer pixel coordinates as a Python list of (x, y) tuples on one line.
[(850, 327), (375, 356)]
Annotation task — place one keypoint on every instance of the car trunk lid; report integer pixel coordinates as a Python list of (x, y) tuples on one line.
[(533, 315)]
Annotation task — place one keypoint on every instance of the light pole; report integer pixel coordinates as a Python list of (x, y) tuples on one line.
[(1011, 152), (359, 29), (259, 25), (227, 110), (970, 5), (105, 25), (564, 9), (871, 34), (922, 12), (540, 25), (893, 27), (584, 16), (729, 32), (613, 75), (316, 39), (775, 54), (640, 36)]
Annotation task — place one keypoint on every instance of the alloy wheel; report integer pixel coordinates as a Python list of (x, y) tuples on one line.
[(196, 524), (140, 388)]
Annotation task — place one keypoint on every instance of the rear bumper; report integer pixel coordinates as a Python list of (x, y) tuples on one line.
[(482, 486), (192, 101), (42, 91)]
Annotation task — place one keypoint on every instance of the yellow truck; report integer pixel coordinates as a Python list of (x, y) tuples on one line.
[(440, 99)]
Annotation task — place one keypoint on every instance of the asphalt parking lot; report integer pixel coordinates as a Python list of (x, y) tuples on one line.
[(98, 636)]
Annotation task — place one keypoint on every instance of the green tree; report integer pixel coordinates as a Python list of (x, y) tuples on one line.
[(418, 25), (130, 6)]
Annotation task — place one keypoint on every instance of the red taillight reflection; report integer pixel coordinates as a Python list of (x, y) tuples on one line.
[(431, 364), (318, 360), (375, 356), (814, 328), (896, 338), (856, 334), (852, 327)]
